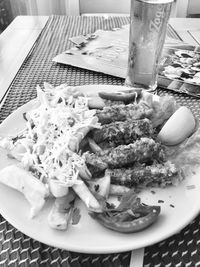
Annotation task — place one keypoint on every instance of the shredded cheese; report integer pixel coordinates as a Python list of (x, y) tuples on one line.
[(60, 119)]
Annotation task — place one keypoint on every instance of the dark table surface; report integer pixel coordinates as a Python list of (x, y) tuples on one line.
[(17, 249)]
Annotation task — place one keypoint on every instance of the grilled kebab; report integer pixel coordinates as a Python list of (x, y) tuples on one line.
[(157, 174), (143, 150), (123, 132), (124, 112)]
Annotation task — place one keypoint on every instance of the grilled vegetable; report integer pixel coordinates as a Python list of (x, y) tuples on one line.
[(130, 216), (129, 222), (125, 96)]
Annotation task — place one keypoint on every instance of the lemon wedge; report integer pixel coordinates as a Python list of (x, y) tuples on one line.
[(178, 127)]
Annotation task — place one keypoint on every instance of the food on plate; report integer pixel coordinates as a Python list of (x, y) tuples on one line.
[(142, 150), (122, 132), (44, 146), (126, 96), (118, 190), (86, 196), (123, 112), (78, 136), (186, 155), (129, 216), (100, 186), (163, 108), (25, 182), (157, 174), (93, 145), (61, 211), (178, 127), (96, 102), (57, 189), (72, 148)]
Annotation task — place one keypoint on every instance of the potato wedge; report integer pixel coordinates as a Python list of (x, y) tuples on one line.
[(86, 196), (93, 145), (100, 186), (23, 181), (60, 214), (57, 189)]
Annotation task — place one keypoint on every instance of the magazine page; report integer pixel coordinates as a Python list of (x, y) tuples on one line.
[(107, 52)]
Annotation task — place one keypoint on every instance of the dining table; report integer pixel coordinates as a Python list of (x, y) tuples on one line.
[(27, 47)]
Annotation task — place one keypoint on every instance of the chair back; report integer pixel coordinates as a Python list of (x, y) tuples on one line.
[(188, 8), (193, 10), (82, 7), (107, 7), (104, 7)]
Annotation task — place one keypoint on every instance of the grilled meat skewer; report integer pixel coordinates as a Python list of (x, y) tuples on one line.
[(143, 150), (123, 132), (156, 174), (124, 112)]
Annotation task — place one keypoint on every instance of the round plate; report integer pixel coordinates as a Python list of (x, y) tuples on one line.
[(180, 205)]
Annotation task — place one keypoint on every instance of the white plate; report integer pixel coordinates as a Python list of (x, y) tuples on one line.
[(88, 236)]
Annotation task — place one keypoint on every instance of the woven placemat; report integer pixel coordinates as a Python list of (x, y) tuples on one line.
[(17, 249)]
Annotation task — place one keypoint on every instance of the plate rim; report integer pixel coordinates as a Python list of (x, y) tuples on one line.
[(92, 250)]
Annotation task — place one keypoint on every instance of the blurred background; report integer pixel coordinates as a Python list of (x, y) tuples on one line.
[(9, 9)]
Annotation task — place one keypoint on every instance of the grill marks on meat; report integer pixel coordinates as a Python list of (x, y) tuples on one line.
[(156, 174), (124, 112), (144, 150), (123, 132), (130, 154)]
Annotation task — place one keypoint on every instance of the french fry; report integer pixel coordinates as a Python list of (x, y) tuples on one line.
[(86, 196), (84, 173), (93, 145), (100, 186), (60, 214), (57, 189), (118, 190), (76, 140), (23, 181), (17, 152)]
